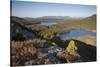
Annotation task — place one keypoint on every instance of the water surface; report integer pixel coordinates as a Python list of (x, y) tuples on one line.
[(75, 33)]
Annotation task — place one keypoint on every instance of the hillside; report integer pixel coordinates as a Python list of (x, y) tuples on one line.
[(18, 20), (20, 32)]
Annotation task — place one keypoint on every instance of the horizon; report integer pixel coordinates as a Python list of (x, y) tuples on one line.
[(53, 16), (40, 9)]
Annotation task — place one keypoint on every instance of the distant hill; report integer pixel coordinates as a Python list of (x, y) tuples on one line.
[(89, 22), (47, 18), (90, 19), (56, 17)]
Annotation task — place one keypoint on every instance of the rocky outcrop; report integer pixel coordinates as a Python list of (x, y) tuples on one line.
[(20, 32), (38, 51), (77, 51)]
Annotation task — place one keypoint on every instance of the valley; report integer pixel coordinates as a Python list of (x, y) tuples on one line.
[(52, 40)]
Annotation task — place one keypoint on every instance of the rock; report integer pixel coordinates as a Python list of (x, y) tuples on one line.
[(47, 61), (41, 55), (72, 58), (61, 55)]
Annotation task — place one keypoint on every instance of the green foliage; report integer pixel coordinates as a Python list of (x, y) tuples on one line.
[(30, 30), (54, 44), (39, 28), (71, 48), (71, 53), (56, 39), (18, 37)]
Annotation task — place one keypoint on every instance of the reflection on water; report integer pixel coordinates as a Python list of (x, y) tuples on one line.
[(76, 33), (47, 23), (41, 24)]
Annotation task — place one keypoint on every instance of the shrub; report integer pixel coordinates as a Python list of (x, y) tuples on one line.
[(71, 48), (71, 54), (18, 37)]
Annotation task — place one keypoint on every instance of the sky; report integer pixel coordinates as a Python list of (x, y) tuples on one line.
[(39, 9)]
